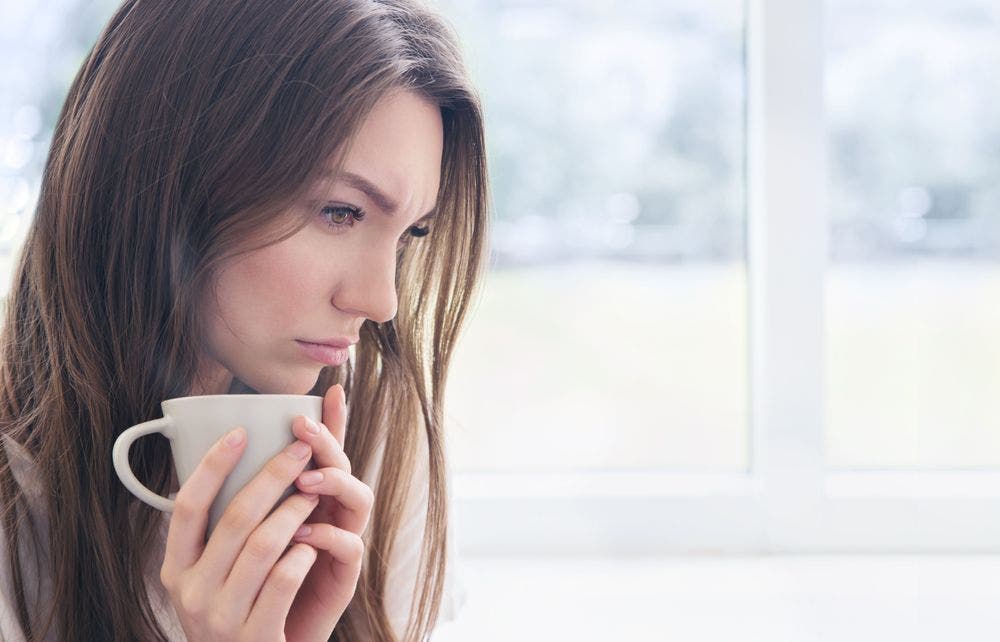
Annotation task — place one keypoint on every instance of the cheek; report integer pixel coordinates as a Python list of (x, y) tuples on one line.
[(260, 294), (279, 287)]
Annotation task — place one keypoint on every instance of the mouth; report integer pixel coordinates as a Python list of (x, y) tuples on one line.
[(333, 342), (324, 353)]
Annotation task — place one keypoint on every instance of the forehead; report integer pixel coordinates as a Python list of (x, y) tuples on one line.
[(398, 148)]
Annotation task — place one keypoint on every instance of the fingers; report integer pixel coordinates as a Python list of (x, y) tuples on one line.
[(346, 549), (327, 451), (335, 412), (260, 553), (280, 588), (186, 535), (248, 508), (353, 494)]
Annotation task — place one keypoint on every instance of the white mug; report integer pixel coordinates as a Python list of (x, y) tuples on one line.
[(194, 424)]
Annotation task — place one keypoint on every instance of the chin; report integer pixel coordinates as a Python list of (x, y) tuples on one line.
[(300, 383)]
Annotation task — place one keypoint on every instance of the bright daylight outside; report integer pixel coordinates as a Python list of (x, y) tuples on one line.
[(912, 305), (615, 333), (612, 333)]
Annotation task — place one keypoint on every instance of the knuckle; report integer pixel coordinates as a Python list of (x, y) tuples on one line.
[(282, 467), (186, 507), (369, 496), (262, 546), (193, 601), (239, 516), (365, 492), (287, 577), (355, 545), (342, 476), (307, 553)]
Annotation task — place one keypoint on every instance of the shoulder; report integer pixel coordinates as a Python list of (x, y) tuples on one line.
[(9, 628), (33, 543), (30, 540)]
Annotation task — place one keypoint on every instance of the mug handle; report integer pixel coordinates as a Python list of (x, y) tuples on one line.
[(119, 455)]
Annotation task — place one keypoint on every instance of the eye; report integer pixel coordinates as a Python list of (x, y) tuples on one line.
[(343, 216), (414, 232), (337, 215)]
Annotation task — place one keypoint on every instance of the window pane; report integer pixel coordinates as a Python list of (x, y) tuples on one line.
[(612, 329), (913, 307)]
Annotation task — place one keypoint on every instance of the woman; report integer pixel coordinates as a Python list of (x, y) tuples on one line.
[(228, 181)]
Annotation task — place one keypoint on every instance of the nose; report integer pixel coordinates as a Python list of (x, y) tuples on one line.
[(368, 289)]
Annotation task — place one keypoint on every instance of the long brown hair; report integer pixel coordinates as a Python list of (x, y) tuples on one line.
[(188, 127)]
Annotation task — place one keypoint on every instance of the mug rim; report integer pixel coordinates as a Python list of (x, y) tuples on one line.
[(243, 394)]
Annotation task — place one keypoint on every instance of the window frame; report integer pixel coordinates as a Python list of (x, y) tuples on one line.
[(787, 501)]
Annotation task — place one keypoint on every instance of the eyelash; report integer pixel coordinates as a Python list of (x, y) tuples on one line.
[(357, 214)]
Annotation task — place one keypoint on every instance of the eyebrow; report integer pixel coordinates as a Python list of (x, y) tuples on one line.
[(384, 202)]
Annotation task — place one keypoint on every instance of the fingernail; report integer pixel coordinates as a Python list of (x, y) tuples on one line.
[(235, 437), (311, 477), (312, 426), (298, 450), (303, 531)]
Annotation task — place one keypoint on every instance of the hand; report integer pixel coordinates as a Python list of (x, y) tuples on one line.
[(344, 508), (235, 587)]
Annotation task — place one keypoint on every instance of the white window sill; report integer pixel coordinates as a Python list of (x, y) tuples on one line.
[(793, 598)]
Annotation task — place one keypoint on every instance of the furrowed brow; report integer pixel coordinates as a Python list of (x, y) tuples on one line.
[(369, 189)]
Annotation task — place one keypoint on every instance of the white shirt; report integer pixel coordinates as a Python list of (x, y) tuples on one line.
[(401, 578)]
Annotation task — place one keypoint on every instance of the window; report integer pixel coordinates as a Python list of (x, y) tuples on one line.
[(826, 289), (612, 332), (913, 303)]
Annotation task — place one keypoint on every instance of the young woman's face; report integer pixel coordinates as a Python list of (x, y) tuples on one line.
[(323, 282)]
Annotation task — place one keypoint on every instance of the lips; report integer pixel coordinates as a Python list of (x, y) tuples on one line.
[(333, 342), (324, 353)]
